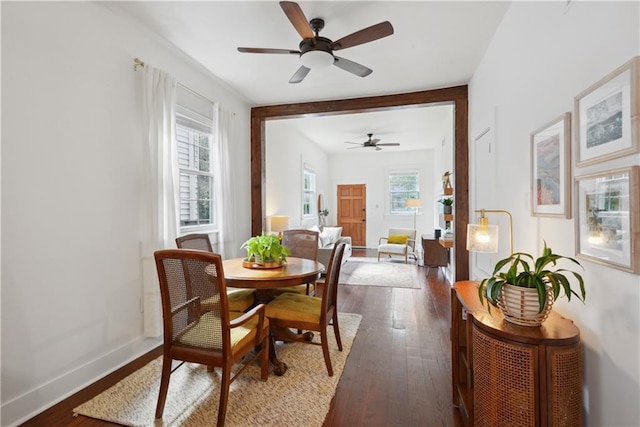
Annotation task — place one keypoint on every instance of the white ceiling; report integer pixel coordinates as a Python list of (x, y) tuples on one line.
[(435, 44)]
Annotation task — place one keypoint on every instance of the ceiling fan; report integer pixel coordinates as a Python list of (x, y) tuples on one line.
[(372, 143), (316, 51)]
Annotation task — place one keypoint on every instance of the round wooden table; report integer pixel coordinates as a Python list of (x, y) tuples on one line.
[(297, 271)]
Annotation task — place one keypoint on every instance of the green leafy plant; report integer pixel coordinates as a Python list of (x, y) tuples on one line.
[(323, 212), (447, 201), (266, 247), (526, 272)]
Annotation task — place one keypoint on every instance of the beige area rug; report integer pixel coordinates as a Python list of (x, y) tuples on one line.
[(301, 397), (370, 272)]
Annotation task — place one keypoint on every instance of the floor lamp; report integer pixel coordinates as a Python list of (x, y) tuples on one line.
[(482, 237), (415, 204)]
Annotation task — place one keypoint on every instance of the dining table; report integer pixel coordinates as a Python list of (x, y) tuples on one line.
[(238, 273)]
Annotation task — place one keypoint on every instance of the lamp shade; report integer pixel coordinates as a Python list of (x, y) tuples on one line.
[(279, 223), (413, 203), (482, 238), (316, 59)]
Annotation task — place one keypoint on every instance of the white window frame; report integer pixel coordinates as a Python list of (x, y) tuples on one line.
[(196, 124), (411, 194), (311, 192)]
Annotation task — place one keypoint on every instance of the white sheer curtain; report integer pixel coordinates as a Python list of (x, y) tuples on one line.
[(159, 222), (227, 244)]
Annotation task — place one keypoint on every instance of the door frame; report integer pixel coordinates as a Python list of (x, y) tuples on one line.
[(458, 95)]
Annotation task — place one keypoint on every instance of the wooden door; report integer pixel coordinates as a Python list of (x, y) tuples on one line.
[(352, 214)]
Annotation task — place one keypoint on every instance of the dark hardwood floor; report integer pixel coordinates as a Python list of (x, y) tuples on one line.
[(397, 374)]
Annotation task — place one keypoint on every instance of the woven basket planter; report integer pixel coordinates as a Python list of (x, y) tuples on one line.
[(520, 305)]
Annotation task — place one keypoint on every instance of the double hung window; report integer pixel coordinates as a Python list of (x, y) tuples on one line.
[(403, 185), (194, 137), (308, 191)]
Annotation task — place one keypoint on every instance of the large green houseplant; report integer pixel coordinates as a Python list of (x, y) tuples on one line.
[(535, 275), (266, 248)]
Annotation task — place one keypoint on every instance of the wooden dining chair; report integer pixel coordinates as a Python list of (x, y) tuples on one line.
[(304, 312), (302, 244), (239, 299), (213, 336)]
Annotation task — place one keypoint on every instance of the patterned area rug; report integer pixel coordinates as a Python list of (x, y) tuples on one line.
[(301, 397), (370, 272)]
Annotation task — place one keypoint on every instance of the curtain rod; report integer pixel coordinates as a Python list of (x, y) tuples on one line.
[(138, 63)]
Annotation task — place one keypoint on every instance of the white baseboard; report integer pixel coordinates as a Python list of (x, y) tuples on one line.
[(33, 402)]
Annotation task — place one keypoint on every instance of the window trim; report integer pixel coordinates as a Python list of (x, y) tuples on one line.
[(409, 170), (306, 168), (195, 122)]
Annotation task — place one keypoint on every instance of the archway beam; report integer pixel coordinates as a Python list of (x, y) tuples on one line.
[(457, 94)]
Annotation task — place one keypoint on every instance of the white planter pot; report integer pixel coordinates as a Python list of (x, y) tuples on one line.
[(520, 305)]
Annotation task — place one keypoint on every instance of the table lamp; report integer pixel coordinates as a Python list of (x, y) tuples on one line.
[(279, 223), (482, 237), (415, 204)]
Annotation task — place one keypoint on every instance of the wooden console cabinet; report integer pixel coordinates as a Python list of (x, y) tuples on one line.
[(510, 375)]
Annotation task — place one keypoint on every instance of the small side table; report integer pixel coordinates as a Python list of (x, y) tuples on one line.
[(435, 255)]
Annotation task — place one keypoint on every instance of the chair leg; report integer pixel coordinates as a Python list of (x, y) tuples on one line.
[(264, 371), (224, 394), (164, 385), (325, 352), (336, 330)]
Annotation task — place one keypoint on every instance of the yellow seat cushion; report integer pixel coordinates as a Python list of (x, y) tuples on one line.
[(398, 239), (296, 307), (238, 300), (202, 333)]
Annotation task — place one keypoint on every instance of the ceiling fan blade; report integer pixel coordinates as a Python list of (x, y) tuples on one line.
[(374, 141), (352, 67), (351, 148), (300, 74), (265, 50), (389, 144), (365, 35), (297, 18), (356, 143)]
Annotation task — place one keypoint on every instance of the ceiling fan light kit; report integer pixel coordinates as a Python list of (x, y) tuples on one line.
[(316, 51), (373, 143)]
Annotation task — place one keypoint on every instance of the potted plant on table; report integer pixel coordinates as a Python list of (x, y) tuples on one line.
[(527, 290), (265, 251)]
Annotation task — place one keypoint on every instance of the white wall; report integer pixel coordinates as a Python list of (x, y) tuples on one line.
[(371, 168), (71, 166), (286, 152), (542, 56)]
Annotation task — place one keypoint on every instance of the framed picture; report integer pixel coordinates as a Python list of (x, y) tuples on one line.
[(608, 218), (551, 168), (608, 116)]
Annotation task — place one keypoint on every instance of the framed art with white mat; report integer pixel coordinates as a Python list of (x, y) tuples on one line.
[(607, 116), (551, 168), (608, 218)]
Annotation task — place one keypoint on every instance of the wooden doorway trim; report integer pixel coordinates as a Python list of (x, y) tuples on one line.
[(457, 95)]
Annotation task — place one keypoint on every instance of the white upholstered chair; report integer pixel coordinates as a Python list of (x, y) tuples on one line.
[(399, 242)]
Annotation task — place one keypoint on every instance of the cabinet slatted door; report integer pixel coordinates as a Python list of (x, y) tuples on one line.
[(504, 376)]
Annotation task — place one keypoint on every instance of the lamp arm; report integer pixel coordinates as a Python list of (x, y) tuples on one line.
[(500, 211)]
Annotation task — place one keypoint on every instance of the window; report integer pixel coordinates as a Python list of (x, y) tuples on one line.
[(194, 137), (308, 191), (403, 185)]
